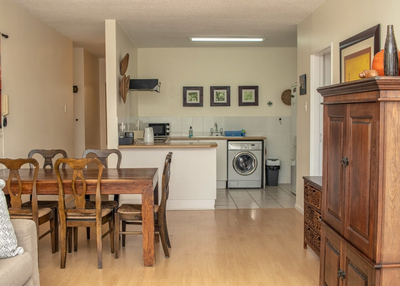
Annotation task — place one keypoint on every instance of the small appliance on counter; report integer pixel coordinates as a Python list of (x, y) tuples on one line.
[(148, 135), (127, 140), (160, 129)]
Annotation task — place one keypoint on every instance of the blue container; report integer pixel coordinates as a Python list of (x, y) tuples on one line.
[(235, 133)]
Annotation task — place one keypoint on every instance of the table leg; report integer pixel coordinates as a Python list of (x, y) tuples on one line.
[(148, 226)]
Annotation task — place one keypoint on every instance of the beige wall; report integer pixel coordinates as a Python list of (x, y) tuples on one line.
[(117, 45), (79, 103), (333, 21), (102, 101), (272, 69), (37, 76), (92, 104)]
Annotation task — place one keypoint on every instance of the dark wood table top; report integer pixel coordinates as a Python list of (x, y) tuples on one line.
[(113, 181)]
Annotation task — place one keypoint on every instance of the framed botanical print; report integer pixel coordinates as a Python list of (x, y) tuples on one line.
[(220, 96), (193, 96), (248, 95)]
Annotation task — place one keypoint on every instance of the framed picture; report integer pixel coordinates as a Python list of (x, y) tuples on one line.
[(220, 96), (303, 84), (248, 95), (193, 96), (357, 53)]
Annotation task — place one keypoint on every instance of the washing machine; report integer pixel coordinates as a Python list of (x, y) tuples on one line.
[(245, 164)]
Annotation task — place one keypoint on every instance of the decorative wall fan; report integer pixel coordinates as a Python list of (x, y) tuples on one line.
[(287, 97)]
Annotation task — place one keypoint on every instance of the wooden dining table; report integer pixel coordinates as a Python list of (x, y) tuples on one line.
[(142, 181)]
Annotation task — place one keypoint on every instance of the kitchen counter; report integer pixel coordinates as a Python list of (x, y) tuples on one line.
[(170, 145), (230, 138)]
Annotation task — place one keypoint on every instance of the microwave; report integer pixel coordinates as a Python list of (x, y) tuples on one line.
[(160, 129)]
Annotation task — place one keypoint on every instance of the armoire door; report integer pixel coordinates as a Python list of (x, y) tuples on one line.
[(356, 270), (330, 258), (362, 175), (333, 172)]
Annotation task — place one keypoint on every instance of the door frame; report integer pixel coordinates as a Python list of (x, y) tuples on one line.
[(316, 80)]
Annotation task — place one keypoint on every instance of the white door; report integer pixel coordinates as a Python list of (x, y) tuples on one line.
[(293, 138)]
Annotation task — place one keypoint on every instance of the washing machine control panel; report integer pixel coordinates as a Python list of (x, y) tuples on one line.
[(244, 145)]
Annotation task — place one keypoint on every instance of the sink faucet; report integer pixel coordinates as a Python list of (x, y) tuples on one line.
[(216, 127)]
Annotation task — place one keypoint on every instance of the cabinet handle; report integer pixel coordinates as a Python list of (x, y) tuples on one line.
[(341, 274), (344, 162)]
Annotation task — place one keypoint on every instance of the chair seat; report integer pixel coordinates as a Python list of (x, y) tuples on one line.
[(134, 211), (81, 216), (104, 204), (43, 204), (26, 213)]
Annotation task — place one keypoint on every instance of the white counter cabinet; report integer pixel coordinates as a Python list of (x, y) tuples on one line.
[(193, 172)]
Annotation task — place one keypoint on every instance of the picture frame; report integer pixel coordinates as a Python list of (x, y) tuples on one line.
[(193, 96), (303, 84), (248, 95), (357, 53), (220, 95)]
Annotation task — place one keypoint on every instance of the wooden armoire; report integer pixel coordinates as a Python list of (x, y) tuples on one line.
[(361, 183)]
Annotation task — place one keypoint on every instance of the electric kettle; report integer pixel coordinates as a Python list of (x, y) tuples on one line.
[(148, 135)]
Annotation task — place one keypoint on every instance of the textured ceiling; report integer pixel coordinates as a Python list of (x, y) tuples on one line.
[(161, 23)]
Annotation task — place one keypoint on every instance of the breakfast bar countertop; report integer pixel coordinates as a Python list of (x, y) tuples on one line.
[(170, 145), (230, 138)]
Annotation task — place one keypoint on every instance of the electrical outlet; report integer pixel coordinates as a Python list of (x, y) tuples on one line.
[(65, 108)]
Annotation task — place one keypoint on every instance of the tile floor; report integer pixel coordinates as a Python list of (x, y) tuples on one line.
[(270, 197)]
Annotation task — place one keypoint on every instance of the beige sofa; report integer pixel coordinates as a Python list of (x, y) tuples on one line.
[(22, 269)]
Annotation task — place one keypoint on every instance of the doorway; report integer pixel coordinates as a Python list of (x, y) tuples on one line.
[(321, 75)]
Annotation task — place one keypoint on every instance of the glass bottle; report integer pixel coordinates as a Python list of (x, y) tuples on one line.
[(391, 57), (190, 132)]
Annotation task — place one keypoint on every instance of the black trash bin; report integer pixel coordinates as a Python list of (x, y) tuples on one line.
[(272, 171)]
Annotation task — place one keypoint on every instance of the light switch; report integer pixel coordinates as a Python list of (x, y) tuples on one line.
[(65, 108), (305, 106)]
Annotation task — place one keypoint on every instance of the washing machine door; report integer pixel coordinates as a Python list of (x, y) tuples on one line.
[(245, 163)]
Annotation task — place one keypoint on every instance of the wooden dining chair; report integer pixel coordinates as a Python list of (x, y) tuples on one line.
[(14, 187), (80, 215), (48, 156), (103, 155), (132, 214)]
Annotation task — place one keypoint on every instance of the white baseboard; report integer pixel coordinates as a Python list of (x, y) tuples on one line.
[(299, 209)]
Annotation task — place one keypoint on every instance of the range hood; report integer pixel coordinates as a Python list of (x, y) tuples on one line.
[(145, 84)]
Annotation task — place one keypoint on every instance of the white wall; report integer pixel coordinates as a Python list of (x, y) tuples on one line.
[(117, 45), (92, 104), (37, 76), (272, 69), (333, 22)]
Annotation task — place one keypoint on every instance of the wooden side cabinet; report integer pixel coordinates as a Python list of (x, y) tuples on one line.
[(360, 238), (312, 213)]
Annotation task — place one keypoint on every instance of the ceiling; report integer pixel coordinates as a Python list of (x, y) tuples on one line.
[(162, 23)]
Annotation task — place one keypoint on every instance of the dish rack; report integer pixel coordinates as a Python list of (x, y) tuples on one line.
[(235, 133)]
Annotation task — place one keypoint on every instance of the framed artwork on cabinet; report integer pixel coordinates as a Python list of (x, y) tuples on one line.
[(357, 53)]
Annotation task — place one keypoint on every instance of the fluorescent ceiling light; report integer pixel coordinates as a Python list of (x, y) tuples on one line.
[(195, 39)]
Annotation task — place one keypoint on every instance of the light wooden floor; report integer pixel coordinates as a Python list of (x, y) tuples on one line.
[(222, 247)]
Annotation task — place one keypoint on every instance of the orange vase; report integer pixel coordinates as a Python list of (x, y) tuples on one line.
[(377, 63)]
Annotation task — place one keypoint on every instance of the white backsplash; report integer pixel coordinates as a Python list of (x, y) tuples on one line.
[(276, 131)]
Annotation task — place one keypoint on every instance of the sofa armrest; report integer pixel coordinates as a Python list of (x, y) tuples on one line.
[(25, 230)]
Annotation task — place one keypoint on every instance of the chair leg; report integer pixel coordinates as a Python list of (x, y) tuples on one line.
[(69, 238), (56, 223), (75, 239), (63, 254), (116, 235), (53, 234), (123, 229), (88, 232), (112, 228), (166, 232), (164, 241), (99, 238)]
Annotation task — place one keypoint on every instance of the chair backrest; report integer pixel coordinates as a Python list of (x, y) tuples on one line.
[(14, 185), (78, 184), (103, 154), (165, 185), (48, 156)]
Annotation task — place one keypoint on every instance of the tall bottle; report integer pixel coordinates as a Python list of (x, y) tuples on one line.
[(190, 132), (390, 56)]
